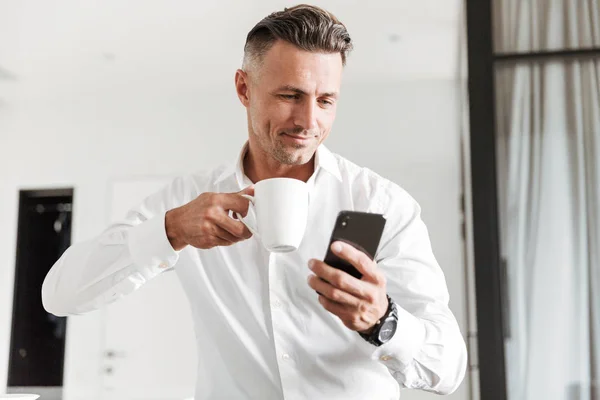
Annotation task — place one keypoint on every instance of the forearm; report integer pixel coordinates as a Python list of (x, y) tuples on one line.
[(428, 351), (426, 354), (173, 229), (97, 272)]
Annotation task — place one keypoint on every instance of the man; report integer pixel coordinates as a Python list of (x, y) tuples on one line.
[(262, 330)]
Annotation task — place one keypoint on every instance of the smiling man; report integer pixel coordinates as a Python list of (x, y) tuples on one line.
[(262, 331)]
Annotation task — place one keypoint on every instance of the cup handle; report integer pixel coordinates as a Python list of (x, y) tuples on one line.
[(250, 220)]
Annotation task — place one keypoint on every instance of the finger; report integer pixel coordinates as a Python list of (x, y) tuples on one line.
[(247, 190), (225, 235), (331, 292), (236, 228), (359, 260), (235, 202), (338, 278), (346, 314), (217, 241), (342, 311)]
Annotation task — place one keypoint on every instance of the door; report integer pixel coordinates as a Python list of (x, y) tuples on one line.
[(37, 337), (150, 349)]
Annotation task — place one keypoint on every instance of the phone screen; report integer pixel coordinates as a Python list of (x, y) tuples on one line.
[(359, 229)]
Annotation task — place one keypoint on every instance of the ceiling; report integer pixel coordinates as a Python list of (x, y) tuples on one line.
[(196, 43)]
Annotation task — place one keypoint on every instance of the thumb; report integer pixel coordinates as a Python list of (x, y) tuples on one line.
[(247, 190), (236, 204)]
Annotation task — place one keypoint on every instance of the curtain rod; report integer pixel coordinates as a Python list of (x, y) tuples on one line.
[(547, 54)]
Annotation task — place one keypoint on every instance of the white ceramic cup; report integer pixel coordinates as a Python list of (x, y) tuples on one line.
[(277, 213)]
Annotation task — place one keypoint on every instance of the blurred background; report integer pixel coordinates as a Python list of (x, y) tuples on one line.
[(486, 111)]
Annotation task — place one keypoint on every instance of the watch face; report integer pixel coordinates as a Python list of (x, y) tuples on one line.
[(387, 330)]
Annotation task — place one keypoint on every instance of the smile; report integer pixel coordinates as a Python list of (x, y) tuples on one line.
[(299, 139)]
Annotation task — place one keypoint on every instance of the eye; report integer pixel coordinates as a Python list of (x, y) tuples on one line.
[(288, 96), (326, 102)]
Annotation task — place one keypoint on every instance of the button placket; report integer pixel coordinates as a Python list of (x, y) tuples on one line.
[(285, 358), (276, 303)]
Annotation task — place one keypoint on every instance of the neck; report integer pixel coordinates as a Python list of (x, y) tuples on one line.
[(259, 165)]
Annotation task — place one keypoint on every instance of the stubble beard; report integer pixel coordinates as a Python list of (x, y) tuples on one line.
[(282, 153)]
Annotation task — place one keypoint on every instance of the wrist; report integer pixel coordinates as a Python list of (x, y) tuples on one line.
[(369, 330), (385, 327), (382, 314), (172, 228)]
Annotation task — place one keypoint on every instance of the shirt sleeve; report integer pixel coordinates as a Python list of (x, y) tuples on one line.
[(120, 260), (427, 351)]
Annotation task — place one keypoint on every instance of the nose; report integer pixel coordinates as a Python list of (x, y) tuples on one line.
[(306, 116)]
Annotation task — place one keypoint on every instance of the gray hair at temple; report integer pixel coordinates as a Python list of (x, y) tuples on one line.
[(308, 27)]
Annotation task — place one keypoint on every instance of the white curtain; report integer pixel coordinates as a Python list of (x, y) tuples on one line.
[(549, 199), (528, 25)]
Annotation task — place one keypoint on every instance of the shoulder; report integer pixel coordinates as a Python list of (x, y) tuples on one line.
[(381, 195), (185, 187)]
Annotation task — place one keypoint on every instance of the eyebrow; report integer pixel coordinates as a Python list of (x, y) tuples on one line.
[(290, 88)]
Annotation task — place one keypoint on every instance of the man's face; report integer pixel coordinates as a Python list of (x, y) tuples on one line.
[(292, 100)]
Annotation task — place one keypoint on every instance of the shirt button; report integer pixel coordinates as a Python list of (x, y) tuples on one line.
[(276, 303), (163, 265), (285, 356), (385, 358)]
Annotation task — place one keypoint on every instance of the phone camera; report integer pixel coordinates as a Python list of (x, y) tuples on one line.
[(344, 222)]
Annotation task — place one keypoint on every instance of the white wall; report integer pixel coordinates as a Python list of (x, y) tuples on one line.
[(93, 94)]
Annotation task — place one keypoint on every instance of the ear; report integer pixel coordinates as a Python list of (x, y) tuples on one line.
[(242, 87)]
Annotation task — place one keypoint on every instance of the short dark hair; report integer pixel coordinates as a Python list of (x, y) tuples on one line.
[(308, 27)]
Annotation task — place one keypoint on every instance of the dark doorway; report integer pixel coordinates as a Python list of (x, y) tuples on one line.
[(37, 342)]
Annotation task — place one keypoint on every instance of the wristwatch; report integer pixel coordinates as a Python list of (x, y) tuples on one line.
[(385, 328)]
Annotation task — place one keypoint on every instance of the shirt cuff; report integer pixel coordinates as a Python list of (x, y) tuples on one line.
[(150, 248), (399, 352)]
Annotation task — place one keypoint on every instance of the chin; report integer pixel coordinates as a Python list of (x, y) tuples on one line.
[(294, 155)]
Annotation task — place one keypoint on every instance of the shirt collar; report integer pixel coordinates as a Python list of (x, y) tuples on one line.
[(323, 159)]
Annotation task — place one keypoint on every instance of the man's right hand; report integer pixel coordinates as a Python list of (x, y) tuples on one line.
[(205, 222)]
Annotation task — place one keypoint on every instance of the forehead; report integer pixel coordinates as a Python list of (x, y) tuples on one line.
[(285, 63)]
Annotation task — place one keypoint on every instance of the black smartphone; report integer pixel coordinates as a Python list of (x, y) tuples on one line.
[(359, 229)]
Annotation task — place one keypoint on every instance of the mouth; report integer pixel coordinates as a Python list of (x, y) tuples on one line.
[(298, 138)]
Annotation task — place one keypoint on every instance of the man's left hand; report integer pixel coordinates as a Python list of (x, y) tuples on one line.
[(359, 303)]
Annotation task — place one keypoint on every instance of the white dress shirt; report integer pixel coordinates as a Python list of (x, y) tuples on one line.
[(261, 332)]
